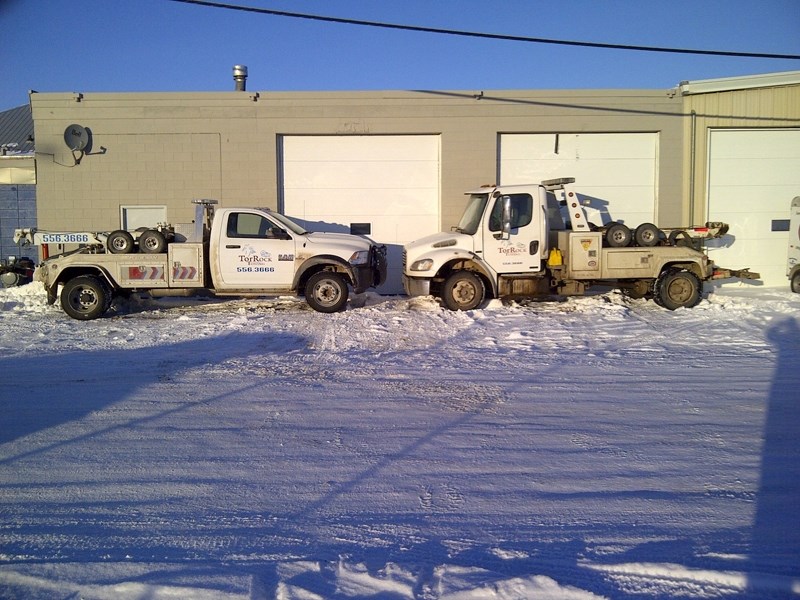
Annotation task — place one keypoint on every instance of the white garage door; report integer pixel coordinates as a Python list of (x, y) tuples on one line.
[(386, 185), (752, 177), (616, 172)]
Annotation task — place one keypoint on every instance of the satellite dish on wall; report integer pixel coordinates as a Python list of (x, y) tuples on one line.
[(76, 137)]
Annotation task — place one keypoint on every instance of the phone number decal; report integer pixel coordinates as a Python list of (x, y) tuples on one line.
[(255, 269), (65, 238)]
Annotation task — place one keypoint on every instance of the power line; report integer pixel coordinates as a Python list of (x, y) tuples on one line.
[(490, 36)]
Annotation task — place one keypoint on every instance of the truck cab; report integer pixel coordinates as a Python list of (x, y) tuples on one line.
[(262, 251), (504, 231)]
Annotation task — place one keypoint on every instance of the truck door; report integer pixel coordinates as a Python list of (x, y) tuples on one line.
[(518, 248), (255, 253)]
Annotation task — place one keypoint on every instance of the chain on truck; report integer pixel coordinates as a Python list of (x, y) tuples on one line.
[(513, 241), (225, 251)]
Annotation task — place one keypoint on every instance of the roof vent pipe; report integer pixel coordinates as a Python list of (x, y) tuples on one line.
[(240, 77)]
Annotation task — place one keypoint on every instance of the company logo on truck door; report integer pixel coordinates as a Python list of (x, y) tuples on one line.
[(256, 261), (251, 256), (512, 250)]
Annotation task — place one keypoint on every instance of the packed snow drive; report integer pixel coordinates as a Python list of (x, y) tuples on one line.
[(597, 447)]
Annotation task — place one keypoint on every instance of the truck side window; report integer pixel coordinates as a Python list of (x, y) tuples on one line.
[(248, 225), (521, 212)]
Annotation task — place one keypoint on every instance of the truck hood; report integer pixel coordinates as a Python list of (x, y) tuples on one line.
[(345, 243), (443, 239)]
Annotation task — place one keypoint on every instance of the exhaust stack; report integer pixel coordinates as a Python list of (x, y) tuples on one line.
[(240, 77)]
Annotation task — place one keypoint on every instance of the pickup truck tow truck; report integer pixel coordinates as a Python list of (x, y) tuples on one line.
[(224, 251)]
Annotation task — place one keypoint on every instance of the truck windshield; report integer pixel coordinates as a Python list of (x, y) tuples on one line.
[(471, 219), (288, 223)]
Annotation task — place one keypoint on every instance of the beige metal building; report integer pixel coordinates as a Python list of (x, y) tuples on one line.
[(391, 164), (742, 165)]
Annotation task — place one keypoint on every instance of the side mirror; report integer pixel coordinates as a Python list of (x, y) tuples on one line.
[(505, 219), (278, 234)]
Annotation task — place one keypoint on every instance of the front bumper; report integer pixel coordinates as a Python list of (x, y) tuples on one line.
[(416, 286), (371, 274)]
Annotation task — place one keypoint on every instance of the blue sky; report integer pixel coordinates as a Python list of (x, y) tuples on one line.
[(159, 45)]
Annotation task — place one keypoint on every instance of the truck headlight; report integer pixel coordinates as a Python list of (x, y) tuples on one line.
[(360, 258), (426, 264)]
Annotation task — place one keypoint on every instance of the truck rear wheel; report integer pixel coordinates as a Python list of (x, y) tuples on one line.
[(152, 241), (85, 297), (678, 289), (120, 242), (463, 290), (326, 292)]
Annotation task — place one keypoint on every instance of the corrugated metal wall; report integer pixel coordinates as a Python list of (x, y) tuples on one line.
[(17, 209)]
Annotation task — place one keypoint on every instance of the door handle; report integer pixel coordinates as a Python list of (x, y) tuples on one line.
[(534, 248), (232, 246)]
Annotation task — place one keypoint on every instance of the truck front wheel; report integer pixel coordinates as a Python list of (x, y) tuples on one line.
[(85, 297), (678, 289), (326, 292), (796, 283), (463, 290)]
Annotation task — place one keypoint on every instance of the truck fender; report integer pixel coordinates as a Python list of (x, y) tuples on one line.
[(73, 272), (692, 267), (318, 263), (468, 261), (78, 270)]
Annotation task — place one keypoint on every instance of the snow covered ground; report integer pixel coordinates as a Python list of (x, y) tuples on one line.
[(598, 447)]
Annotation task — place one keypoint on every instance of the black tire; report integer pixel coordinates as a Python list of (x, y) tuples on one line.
[(796, 283), (152, 241), (463, 290), (327, 292), (639, 289), (85, 297), (647, 235), (618, 235), (680, 238), (678, 289), (120, 242)]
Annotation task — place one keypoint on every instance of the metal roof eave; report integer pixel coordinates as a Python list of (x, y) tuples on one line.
[(729, 84)]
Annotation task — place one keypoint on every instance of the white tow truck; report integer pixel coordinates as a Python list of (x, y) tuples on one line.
[(515, 241), (793, 262), (224, 251)]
